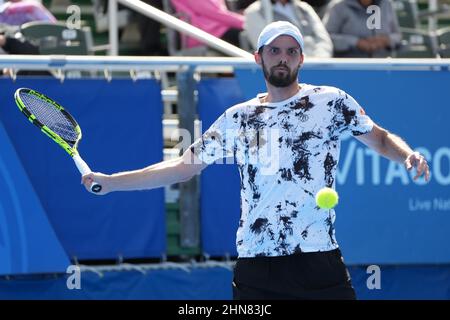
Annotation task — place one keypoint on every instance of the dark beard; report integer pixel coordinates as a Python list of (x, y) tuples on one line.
[(280, 81)]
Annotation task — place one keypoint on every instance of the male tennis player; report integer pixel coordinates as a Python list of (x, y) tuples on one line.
[(286, 244)]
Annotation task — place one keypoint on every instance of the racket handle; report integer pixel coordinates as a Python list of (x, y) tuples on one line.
[(84, 169)]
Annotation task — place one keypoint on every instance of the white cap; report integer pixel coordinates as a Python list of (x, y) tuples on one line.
[(276, 29)]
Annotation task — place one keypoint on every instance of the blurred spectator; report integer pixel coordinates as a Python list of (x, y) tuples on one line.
[(101, 16), (243, 4), (352, 32), (318, 5), (317, 41), (13, 45), (17, 12), (17, 44), (211, 16), (238, 5), (150, 31)]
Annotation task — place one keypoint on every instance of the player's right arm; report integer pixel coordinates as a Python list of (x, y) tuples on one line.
[(158, 175)]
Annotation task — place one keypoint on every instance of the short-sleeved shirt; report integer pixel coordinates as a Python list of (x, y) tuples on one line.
[(286, 152)]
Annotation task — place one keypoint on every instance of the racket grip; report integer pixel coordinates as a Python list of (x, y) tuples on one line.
[(84, 169)]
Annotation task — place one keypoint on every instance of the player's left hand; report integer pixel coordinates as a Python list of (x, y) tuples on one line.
[(416, 160)]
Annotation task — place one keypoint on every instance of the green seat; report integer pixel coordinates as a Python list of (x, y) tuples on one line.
[(417, 44), (445, 52), (443, 36), (407, 13), (58, 39)]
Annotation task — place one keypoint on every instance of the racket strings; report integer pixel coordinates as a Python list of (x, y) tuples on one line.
[(51, 117)]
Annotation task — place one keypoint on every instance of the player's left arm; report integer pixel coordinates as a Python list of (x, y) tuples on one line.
[(396, 149)]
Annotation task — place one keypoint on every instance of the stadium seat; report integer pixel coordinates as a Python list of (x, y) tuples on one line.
[(417, 44), (58, 39), (443, 36), (407, 13)]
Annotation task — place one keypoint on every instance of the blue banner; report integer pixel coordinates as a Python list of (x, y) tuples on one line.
[(220, 186), (28, 243), (383, 215), (122, 130), (184, 283), (211, 283)]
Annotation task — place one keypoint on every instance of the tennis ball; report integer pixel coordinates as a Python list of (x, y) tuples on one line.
[(326, 198)]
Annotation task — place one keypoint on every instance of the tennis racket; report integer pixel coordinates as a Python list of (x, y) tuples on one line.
[(56, 123)]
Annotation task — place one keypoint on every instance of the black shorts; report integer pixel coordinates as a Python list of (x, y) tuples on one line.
[(312, 275)]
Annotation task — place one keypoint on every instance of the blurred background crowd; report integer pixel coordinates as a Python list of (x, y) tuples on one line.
[(331, 28)]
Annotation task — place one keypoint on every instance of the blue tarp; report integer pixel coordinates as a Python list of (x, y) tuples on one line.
[(196, 283), (28, 243), (122, 130), (397, 282)]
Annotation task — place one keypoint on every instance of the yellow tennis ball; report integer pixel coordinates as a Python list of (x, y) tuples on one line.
[(326, 198)]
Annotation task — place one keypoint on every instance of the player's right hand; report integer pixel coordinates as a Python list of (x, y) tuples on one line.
[(100, 178)]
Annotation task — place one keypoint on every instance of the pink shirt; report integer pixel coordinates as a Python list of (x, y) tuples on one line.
[(17, 13), (211, 16)]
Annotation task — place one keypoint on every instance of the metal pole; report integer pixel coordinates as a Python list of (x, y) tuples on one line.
[(432, 24), (185, 28), (113, 33), (189, 191), (206, 64)]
